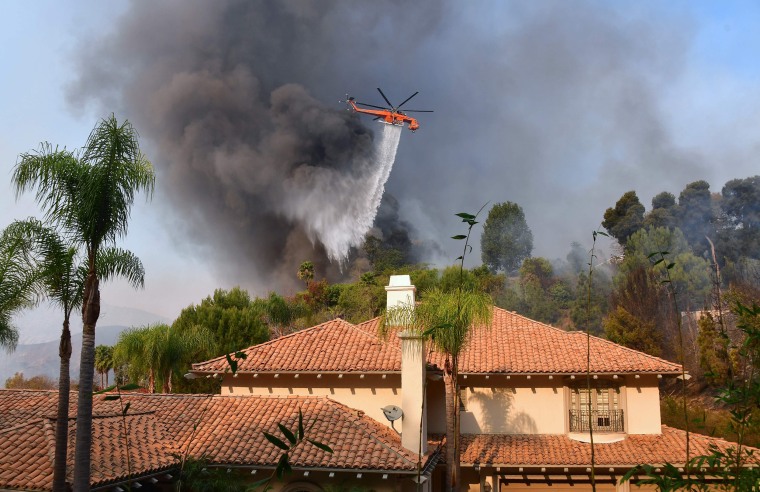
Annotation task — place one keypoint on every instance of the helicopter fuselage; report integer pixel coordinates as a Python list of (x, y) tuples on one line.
[(387, 116)]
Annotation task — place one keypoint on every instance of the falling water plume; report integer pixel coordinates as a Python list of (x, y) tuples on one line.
[(339, 209)]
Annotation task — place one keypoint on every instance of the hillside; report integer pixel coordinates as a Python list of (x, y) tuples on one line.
[(43, 324), (39, 330), (42, 358)]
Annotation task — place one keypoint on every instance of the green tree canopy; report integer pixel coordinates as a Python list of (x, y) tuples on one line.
[(158, 353), (690, 273), (622, 327), (664, 211), (506, 240), (740, 204), (103, 362), (625, 218), (696, 215), (235, 321)]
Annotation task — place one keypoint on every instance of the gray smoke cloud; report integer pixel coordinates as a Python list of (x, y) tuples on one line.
[(553, 105)]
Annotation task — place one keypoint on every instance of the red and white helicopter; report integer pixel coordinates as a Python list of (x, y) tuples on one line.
[(391, 115)]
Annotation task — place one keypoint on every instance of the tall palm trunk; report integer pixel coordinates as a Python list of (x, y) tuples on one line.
[(90, 314), (452, 426), (62, 420)]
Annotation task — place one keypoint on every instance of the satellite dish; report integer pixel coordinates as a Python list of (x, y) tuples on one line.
[(392, 412)]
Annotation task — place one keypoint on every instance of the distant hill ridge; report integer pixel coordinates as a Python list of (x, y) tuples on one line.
[(43, 324), (40, 331)]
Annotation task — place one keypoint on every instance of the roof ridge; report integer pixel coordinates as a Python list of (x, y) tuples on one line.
[(373, 337), (515, 313), (29, 390), (610, 342), (269, 342), (367, 321)]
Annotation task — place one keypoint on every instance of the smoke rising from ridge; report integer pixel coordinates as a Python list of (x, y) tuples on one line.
[(556, 106)]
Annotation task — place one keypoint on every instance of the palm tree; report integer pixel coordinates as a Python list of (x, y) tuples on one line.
[(448, 318), (62, 274), (157, 352), (90, 198), (103, 362), (18, 280)]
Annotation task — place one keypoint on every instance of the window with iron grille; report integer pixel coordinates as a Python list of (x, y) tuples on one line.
[(605, 415)]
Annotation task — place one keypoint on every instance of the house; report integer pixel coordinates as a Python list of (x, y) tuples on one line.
[(524, 393), (524, 423)]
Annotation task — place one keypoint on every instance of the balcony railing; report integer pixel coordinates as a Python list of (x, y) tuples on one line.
[(601, 420)]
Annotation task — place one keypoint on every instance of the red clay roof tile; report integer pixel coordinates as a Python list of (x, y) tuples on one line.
[(513, 344), (227, 430), (560, 450)]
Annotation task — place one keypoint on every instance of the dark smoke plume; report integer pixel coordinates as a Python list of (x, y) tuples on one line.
[(553, 105), (245, 151)]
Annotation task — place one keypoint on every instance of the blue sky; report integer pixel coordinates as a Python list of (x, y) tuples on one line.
[(38, 41), (714, 98)]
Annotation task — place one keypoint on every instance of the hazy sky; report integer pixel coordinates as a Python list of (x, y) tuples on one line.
[(558, 106)]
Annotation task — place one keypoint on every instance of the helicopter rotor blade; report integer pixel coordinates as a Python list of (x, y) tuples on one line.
[(386, 99), (407, 99), (369, 105), (377, 118), (417, 111)]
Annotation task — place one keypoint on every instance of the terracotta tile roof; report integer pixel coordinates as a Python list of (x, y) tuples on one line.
[(30, 447), (336, 345), (559, 450), (358, 442), (516, 344), (229, 432), (513, 344), (25, 460)]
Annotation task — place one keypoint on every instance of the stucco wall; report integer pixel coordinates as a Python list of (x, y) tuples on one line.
[(494, 406), (515, 406), (642, 405), (368, 394)]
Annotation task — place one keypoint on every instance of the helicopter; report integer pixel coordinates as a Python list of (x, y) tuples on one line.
[(391, 115)]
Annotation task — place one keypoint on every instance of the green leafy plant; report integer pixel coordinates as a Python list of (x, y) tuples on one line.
[(292, 440), (725, 468)]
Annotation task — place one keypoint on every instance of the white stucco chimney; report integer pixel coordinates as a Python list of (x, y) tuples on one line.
[(413, 437), (400, 291)]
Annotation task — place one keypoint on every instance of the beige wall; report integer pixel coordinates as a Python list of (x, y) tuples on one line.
[(494, 406), (642, 409), (368, 394), (540, 405), (436, 410), (514, 406)]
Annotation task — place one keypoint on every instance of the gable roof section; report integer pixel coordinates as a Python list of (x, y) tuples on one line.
[(336, 345), (559, 450), (513, 344), (358, 442), (229, 432)]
